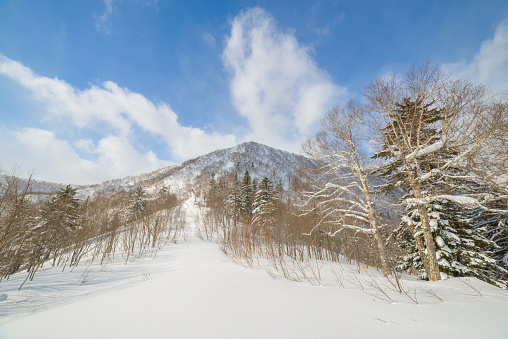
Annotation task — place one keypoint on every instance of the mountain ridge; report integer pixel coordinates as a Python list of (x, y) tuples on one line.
[(259, 159)]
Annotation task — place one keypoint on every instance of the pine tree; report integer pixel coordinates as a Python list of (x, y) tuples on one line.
[(413, 124), (264, 203), (494, 227), (233, 201), (60, 220), (139, 202), (211, 196), (246, 196), (461, 248)]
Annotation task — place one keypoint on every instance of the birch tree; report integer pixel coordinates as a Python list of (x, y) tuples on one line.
[(342, 190)]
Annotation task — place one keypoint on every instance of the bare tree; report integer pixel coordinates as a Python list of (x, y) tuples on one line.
[(490, 161), (16, 221), (341, 190)]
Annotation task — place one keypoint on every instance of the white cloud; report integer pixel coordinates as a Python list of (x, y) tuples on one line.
[(40, 150), (119, 156), (118, 108), (275, 82), (56, 160), (490, 65), (113, 112)]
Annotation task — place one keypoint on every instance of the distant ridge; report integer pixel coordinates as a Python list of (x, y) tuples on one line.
[(260, 160)]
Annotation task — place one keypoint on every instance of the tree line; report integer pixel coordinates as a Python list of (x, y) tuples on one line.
[(63, 229)]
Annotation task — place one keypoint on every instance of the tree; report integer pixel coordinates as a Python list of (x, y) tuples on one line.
[(461, 248), (342, 190), (427, 124), (139, 202), (17, 221), (494, 227), (60, 218), (246, 195), (233, 201), (264, 203)]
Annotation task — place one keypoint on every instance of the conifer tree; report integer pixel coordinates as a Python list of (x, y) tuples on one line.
[(139, 202), (428, 124), (461, 248), (233, 201), (60, 220), (494, 227), (412, 123), (264, 203), (211, 196), (246, 195)]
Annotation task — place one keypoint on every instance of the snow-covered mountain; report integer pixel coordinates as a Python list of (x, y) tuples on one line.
[(260, 160)]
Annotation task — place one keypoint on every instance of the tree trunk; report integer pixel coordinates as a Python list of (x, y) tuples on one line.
[(374, 224), (382, 253), (433, 266), (421, 250)]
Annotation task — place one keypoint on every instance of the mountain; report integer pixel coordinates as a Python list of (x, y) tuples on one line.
[(260, 160)]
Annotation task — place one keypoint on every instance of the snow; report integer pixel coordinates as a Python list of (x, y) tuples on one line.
[(191, 290), (459, 199), (426, 150)]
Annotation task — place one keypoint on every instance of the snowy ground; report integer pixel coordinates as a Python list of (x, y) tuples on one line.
[(191, 290)]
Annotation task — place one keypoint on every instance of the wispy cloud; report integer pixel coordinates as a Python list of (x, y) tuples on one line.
[(275, 82), (102, 23), (490, 65), (208, 37), (116, 114)]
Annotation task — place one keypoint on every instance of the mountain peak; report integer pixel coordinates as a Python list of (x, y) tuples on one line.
[(260, 160)]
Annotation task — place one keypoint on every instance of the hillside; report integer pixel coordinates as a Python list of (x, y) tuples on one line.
[(260, 160)]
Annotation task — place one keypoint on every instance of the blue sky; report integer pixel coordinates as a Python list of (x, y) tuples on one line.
[(101, 89)]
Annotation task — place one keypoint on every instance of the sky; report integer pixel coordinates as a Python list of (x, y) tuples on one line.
[(102, 89)]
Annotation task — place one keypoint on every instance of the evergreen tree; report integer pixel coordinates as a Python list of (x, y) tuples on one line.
[(264, 203), (246, 195), (139, 202), (494, 227), (461, 248), (211, 196), (233, 204), (62, 211), (60, 220), (411, 125)]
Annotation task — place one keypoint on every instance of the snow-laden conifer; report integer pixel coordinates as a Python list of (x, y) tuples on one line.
[(461, 248)]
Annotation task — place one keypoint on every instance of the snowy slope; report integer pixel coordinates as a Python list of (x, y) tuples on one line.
[(190, 290), (258, 159)]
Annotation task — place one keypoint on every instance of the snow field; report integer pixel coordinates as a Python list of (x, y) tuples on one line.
[(192, 290)]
